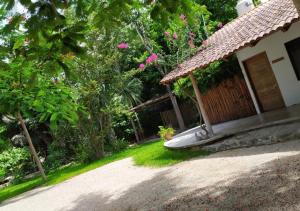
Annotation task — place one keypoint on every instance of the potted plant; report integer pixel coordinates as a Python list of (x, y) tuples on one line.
[(166, 133)]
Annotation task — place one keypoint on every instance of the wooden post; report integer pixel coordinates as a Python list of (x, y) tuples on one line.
[(199, 100), (297, 5), (31, 147), (176, 108)]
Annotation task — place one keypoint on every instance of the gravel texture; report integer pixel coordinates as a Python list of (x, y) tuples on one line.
[(257, 178)]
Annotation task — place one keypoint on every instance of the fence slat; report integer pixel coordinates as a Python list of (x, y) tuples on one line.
[(230, 100)]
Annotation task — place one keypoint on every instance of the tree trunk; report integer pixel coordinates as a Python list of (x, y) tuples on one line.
[(98, 146), (135, 131), (31, 147), (176, 108), (140, 128), (297, 4)]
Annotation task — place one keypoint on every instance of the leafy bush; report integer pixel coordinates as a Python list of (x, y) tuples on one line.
[(119, 145), (83, 152), (4, 145), (57, 156), (16, 162), (166, 133), (2, 174)]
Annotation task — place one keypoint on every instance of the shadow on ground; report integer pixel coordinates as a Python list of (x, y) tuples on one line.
[(273, 186), (147, 194)]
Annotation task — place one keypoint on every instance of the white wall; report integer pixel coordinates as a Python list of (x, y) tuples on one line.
[(274, 46)]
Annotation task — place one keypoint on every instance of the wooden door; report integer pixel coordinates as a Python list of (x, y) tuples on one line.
[(264, 83)]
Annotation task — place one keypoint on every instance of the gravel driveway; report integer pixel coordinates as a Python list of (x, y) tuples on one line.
[(258, 178)]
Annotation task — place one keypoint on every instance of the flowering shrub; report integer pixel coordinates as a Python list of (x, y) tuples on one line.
[(182, 17), (175, 36), (152, 58), (142, 66), (167, 33), (123, 46)]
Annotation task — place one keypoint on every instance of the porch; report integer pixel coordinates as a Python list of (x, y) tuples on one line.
[(188, 139)]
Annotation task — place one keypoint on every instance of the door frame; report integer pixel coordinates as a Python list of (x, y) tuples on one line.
[(261, 109)]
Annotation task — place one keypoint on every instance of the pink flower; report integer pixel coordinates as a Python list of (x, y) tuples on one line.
[(191, 43), (152, 58), (167, 33), (142, 66), (175, 35), (182, 17), (123, 46), (220, 25)]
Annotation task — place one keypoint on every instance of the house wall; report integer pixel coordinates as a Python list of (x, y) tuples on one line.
[(274, 46)]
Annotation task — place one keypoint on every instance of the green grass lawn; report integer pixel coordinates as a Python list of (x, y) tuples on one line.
[(150, 155)]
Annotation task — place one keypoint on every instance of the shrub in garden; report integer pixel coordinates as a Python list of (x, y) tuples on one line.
[(119, 145), (15, 162), (57, 156), (166, 133)]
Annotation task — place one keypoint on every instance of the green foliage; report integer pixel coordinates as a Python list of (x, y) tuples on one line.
[(166, 133), (16, 162), (221, 10), (4, 144), (119, 145), (41, 99), (257, 2), (207, 78), (57, 157)]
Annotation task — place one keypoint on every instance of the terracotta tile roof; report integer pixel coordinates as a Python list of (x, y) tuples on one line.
[(248, 28)]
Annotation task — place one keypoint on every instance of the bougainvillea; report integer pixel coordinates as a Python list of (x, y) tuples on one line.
[(153, 57), (182, 17), (142, 66), (123, 46), (175, 36), (167, 33)]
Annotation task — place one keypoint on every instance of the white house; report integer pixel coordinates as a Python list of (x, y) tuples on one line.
[(266, 40), (271, 68)]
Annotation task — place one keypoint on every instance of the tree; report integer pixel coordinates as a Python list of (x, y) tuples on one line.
[(25, 93), (167, 45), (28, 90), (106, 89), (222, 10)]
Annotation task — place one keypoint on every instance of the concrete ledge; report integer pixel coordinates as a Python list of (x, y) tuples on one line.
[(189, 140)]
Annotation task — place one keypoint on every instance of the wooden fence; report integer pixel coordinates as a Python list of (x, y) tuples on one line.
[(230, 100)]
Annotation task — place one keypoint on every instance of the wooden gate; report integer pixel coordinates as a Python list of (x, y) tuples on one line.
[(230, 100)]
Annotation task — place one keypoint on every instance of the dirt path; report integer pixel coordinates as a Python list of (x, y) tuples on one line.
[(260, 178)]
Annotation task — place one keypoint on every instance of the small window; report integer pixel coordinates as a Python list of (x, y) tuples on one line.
[(293, 48)]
